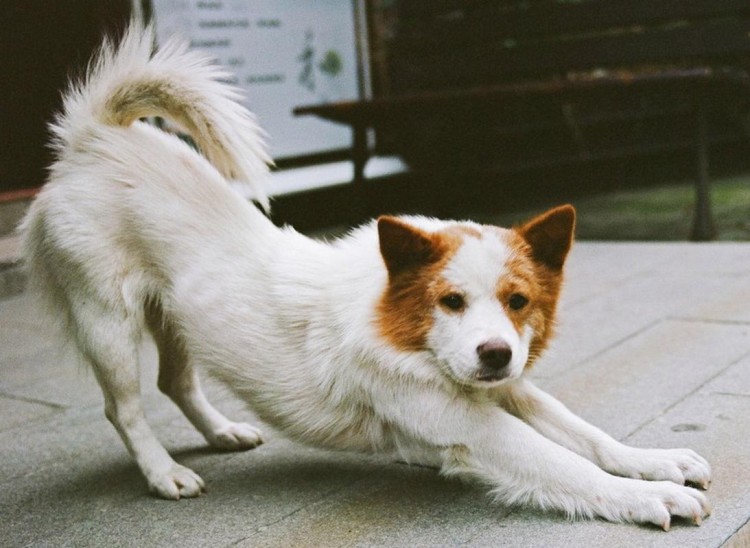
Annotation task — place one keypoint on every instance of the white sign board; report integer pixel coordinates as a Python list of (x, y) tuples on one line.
[(285, 53)]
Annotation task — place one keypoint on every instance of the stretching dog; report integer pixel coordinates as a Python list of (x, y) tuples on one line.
[(409, 336)]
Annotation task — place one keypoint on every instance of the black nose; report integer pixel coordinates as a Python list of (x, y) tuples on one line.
[(494, 354)]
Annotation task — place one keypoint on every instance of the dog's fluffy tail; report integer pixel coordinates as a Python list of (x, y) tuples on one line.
[(128, 81)]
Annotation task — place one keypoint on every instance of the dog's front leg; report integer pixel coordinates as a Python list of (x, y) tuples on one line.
[(522, 466), (553, 420)]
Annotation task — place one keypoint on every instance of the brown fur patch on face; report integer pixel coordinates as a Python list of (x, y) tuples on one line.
[(405, 311), (546, 241), (519, 279), (540, 284)]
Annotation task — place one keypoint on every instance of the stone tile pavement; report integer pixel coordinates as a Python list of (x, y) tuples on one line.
[(653, 346)]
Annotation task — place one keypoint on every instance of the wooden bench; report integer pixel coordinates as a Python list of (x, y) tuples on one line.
[(510, 85)]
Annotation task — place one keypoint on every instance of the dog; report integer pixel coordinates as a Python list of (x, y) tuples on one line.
[(409, 336)]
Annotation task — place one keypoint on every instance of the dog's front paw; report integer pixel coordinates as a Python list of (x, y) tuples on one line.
[(655, 502), (237, 436), (676, 465), (176, 483)]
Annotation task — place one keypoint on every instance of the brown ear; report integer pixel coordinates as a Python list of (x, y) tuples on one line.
[(550, 235), (404, 246)]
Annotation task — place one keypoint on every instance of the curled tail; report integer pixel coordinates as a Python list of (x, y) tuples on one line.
[(128, 81)]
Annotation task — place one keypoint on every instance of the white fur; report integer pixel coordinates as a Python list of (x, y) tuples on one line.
[(457, 336), (136, 230)]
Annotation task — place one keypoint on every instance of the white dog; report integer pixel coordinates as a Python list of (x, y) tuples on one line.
[(409, 336)]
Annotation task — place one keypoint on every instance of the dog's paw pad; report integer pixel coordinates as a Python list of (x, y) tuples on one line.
[(238, 436), (179, 482)]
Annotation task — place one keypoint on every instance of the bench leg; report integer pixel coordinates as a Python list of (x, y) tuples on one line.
[(358, 209), (359, 152), (703, 226)]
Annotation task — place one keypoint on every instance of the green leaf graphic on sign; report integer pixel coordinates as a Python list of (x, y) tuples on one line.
[(331, 64)]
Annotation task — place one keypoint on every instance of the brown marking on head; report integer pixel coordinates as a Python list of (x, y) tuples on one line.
[(542, 245), (405, 247), (550, 235), (462, 230), (414, 259), (518, 289)]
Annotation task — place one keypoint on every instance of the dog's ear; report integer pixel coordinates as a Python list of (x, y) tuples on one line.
[(550, 235), (406, 247)]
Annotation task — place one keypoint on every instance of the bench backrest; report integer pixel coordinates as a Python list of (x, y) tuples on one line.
[(444, 44)]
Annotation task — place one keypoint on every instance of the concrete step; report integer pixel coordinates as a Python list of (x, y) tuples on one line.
[(13, 206), (12, 277)]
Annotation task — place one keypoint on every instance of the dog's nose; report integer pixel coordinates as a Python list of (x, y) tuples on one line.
[(494, 354)]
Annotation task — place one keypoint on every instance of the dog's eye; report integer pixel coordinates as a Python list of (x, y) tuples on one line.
[(517, 301), (453, 301)]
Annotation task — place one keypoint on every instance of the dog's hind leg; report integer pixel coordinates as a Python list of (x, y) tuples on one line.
[(179, 380), (108, 337)]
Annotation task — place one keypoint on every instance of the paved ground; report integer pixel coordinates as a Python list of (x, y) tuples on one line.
[(654, 346)]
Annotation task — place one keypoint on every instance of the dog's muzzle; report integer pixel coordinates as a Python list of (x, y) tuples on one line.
[(494, 357)]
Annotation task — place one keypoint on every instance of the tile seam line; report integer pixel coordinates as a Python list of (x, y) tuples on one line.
[(686, 396), (324, 498), (734, 394), (636, 275), (715, 321), (734, 533), (615, 344), (26, 399), (645, 328)]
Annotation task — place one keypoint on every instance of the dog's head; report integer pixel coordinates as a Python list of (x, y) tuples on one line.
[(480, 299)]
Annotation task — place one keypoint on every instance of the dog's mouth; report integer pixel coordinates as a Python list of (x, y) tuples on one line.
[(484, 376)]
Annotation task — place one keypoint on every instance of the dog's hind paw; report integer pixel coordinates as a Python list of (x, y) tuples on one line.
[(237, 436), (178, 482)]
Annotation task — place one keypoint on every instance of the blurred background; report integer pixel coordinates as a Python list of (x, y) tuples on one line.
[(636, 111)]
